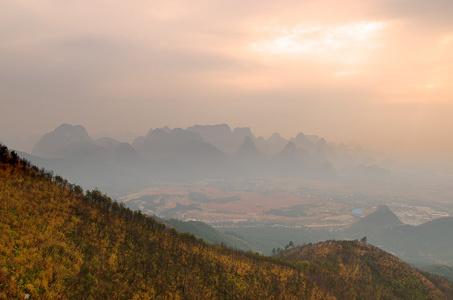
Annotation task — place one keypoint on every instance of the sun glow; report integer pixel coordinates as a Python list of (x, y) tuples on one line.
[(321, 40)]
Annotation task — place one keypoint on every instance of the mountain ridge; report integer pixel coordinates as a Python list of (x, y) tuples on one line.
[(197, 153)]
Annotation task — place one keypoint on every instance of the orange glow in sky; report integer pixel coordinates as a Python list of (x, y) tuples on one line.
[(372, 73)]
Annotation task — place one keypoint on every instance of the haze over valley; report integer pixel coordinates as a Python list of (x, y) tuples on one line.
[(257, 126), (306, 187)]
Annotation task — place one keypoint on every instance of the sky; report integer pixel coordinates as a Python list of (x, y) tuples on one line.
[(373, 73)]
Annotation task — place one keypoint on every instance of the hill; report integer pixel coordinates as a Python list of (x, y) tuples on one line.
[(351, 268), (428, 243), (64, 141), (383, 217), (57, 242)]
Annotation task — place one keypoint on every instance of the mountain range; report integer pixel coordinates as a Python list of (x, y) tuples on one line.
[(196, 153)]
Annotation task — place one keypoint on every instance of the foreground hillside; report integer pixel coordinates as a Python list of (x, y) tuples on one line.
[(56, 242), (354, 269)]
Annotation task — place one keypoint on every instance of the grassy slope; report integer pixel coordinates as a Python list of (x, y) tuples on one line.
[(56, 242), (351, 268)]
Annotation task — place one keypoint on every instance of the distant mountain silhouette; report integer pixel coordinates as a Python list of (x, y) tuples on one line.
[(222, 137), (288, 153), (107, 142), (242, 132), (287, 163), (181, 154), (250, 160), (302, 141), (276, 142), (382, 217), (427, 243), (199, 152), (248, 150), (104, 163), (158, 144), (64, 141)]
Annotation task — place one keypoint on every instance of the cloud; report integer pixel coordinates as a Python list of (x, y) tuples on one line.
[(347, 43), (180, 63), (435, 14)]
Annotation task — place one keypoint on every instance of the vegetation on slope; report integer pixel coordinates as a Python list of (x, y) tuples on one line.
[(56, 242), (354, 269)]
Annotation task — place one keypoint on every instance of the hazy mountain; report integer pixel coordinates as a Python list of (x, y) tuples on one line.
[(107, 142), (124, 153), (263, 146), (64, 141), (382, 228), (105, 163), (276, 142), (302, 141), (118, 170), (250, 161), (248, 150), (288, 163), (181, 155), (158, 144), (325, 151), (288, 153), (382, 217), (165, 129), (222, 137), (427, 243), (198, 152), (242, 132)]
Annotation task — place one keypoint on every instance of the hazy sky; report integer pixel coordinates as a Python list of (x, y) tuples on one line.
[(377, 73)]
